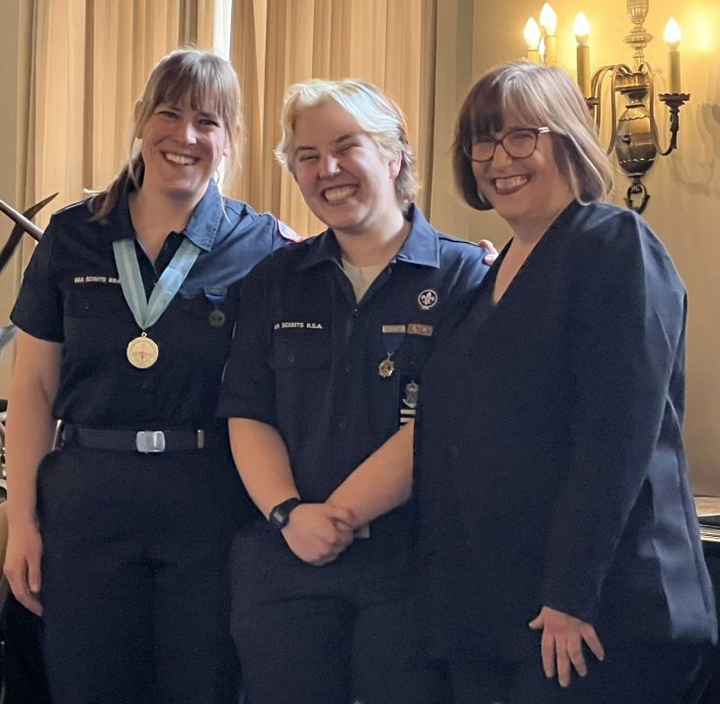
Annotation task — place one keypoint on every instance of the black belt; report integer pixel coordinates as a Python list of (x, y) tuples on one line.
[(145, 441)]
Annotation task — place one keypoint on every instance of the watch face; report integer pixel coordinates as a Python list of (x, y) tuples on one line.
[(278, 517)]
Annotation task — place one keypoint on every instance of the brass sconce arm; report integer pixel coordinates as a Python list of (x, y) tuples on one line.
[(633, 129), (674, 101)]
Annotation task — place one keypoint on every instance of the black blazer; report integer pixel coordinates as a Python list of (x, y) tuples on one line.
[(550, 467)]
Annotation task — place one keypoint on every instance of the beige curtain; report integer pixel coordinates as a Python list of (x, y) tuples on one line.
[(277, 42), (90, 59)]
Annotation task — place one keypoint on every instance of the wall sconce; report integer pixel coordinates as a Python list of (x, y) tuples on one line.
[(634, 134)]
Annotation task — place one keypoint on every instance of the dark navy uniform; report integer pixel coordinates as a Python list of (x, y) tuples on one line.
[(135, 545), (553, 474), (306, 361)]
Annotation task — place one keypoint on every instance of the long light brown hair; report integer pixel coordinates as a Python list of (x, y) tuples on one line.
[(209, 80)]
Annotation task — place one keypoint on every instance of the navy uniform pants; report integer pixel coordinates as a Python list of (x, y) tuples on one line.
[(135, 583), (643, 673), (335, 634)]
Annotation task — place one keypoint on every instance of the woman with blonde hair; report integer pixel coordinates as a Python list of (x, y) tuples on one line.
[(338, 331)]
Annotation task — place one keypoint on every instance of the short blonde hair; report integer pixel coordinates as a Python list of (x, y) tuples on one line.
[(376, 113), (541, 96)]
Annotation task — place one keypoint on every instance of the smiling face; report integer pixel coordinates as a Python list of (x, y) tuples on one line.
[(344, 178), (182, 148), (528, 193)]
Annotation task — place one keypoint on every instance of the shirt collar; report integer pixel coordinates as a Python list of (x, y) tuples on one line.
[(421, 246), (201, 228)]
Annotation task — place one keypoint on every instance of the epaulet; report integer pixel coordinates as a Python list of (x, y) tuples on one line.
[(286, 232)]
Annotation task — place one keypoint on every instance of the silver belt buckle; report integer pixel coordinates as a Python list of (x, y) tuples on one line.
[(150, 441)]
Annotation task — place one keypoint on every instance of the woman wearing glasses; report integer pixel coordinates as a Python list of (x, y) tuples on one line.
[(562, 557)]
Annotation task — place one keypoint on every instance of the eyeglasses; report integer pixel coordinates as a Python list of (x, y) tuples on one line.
[(519, 143)]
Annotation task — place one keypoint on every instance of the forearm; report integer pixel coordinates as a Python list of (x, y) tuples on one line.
[(29, 438), (382, 482), (262, 460), (30, 426)]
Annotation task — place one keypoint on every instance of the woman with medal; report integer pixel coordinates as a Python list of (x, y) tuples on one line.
[(119, 536), (337, 331), (561, 557)]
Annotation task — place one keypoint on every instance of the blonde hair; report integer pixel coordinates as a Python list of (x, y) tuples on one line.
[(208, 80), (377, 114), (541, 96)]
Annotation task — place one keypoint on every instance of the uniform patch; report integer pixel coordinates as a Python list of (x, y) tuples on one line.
[(427, 299), (88, 279), (420, 329), (408, 401), (289, 324)]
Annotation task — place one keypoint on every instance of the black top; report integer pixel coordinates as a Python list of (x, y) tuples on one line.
[(315, 351), (550, 464), (71, 294)]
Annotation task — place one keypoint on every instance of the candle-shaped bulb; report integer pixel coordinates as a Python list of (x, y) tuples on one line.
[(672, 34), (532, 40), (548, 20), (672, 37), (541, 49), (581, 29), (532, 34)]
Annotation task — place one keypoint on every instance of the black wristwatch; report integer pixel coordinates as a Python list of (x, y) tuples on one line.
[(280, 515)]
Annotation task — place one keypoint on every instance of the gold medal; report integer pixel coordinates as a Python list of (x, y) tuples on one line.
[(386, 368), (142, 352)]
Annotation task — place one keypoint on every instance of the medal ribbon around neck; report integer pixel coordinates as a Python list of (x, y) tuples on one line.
[(393, 336), (142, 352)]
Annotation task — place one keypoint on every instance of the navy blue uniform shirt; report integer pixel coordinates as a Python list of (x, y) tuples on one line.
[(71, 294), (306, 354), (550, 468)]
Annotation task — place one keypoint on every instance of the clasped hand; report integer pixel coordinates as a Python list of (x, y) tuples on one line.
[(318, 533), (562, 643)]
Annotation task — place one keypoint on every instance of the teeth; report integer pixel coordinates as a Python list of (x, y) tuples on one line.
[(180, 159), (335, 194), (505, 184)]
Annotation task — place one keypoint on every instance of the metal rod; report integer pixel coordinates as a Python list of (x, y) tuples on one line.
[(31, 228)]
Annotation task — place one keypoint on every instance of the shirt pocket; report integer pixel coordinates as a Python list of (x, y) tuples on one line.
[(300, 349), (218, 311), (413, 355), (97, 325), (94, 301)]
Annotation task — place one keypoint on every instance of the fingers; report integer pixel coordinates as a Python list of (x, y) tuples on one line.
[(487, 244), (341, 515), (537, 623), (593, 642), (576, 657), (23, 589), (317, 534), (492, 254), (547, 651), (30, 601), (563, 665), (33, 576), (561, 644), (560, 656)]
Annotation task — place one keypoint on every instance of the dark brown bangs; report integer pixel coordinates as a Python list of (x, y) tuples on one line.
[(199, 79), (486, 109)]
